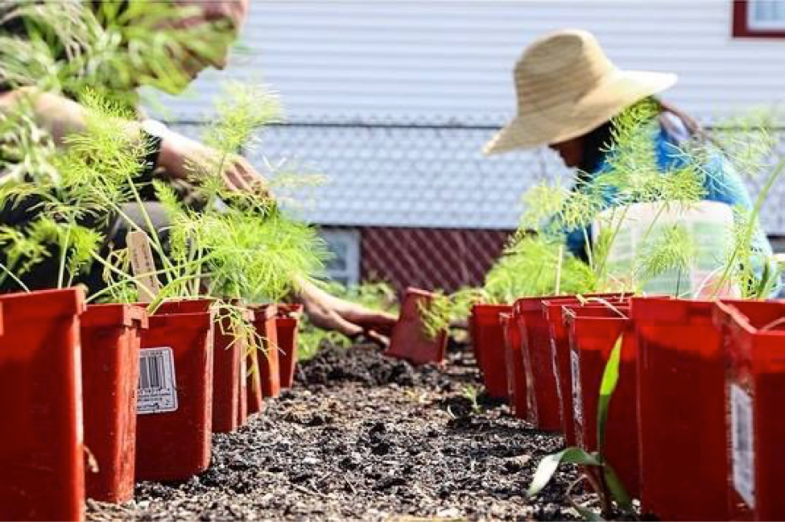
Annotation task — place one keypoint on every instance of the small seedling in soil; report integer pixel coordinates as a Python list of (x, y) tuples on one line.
[(472, 393), (598, 472)]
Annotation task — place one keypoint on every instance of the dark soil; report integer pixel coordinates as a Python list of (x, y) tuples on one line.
[(363, 437)]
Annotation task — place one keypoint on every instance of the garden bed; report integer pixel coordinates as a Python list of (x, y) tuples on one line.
[(364, 437)]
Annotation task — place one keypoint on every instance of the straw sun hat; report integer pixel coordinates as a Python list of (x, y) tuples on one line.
[(567, 87)]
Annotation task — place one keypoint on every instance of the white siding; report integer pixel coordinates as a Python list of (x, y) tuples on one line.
[(404, 59), (449, 61)]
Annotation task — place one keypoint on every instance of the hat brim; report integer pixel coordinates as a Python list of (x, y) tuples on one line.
[(535, 127)]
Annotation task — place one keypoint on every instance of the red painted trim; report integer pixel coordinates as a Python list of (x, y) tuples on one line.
[(741, 26)]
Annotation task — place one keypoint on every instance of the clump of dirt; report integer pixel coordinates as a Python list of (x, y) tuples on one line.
[(365, 364), (363, 437)]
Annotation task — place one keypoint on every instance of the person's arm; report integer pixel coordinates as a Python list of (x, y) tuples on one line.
[(62, 117), (351, 319)]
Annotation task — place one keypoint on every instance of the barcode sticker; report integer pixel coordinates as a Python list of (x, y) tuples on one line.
[(743, 450), (157, 383), (577, 405)]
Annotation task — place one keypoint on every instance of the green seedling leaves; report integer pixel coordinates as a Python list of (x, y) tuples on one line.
[(610, 379), (616, 489), (550, 464), (587, 513)]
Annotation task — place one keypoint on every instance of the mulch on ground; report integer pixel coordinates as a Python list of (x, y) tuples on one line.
[(364, 437)]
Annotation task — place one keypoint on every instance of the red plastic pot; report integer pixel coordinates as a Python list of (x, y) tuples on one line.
[(560, 352), (174, 425), (270, 375), (489, 347), (543, 406), (754, 346), (111, 336), (681, 410), (593, 332), (41, 446), (516, 374), (286, 327), (229, 359), (409, 340)]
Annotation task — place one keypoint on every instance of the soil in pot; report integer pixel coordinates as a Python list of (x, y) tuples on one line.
[(409, 339), (754, 333), (41, 445), (111, 336), (593, 333), (681, 410), (174, 422), (489, 347)]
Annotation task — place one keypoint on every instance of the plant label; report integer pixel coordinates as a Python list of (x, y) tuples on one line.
[(157, 382), (577, 404), (143, 266), (555, 364), (742, 444)]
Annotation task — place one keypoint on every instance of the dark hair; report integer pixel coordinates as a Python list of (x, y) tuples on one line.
[(595, 145), (597, 142)]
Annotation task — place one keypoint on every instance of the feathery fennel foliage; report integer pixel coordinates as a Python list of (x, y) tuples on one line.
[(246, 248), (72, 191), (68, 46)]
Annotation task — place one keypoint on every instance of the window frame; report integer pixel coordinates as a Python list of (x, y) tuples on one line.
[(743, 28), (350, 237)]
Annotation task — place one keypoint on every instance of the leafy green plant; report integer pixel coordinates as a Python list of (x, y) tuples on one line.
[(111, 47), (441, 311), (472, 394), (598, 472), (72, 191)]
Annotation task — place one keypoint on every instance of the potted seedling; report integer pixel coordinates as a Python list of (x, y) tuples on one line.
[(223, 256), (70, 194), (421, 333)]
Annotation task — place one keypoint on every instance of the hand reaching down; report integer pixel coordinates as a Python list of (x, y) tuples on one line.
[(351, 319)]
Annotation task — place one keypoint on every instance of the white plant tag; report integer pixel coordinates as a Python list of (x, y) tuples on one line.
[(143, 265), (157, 382), (743, 444), (577, 405), (556, 374)]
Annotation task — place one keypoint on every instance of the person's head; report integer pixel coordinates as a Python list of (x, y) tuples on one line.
[(568, 91), (195, 34), (223, 18), (116, 46)]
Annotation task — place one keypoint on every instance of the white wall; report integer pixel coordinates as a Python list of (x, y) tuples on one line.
[(410, 59), (450, 61)]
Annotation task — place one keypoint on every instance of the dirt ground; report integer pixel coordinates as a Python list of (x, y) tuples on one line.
[(363, 437)]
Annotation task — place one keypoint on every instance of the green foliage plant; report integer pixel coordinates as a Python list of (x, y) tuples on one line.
[(69, 46)]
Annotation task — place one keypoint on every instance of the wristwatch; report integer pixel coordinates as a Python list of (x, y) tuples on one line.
[(153, 133)]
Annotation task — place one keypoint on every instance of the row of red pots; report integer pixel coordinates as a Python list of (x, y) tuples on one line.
[(693, 426), (127, 396)]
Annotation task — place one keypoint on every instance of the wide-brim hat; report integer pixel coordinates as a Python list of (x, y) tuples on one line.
[(566, 87)]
